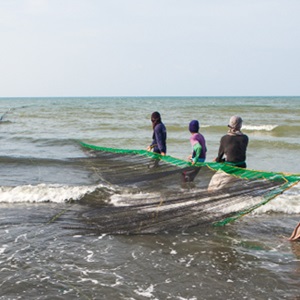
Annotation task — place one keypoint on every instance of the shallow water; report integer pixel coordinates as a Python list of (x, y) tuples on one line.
[(46, 179)]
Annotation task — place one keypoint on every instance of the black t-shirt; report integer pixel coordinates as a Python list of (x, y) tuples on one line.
[(233, 147)]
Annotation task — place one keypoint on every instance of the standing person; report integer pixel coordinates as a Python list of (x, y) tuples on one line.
[(232, 151), (199, 150), (159, 136), (198, 143), (233, 145)]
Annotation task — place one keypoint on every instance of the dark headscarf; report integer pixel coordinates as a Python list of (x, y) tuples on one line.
[(194, 126), (155, 119)]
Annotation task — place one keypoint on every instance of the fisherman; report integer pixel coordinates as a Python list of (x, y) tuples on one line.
[(199, 150), (233, 145), (197, 142), (159, 136), (232, 150)]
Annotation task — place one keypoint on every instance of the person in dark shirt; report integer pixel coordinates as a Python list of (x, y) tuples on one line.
[(233, 145), (159, 136)]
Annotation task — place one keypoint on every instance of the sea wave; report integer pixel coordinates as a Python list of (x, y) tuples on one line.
[(45, 193), (287, 203), (260, 127)]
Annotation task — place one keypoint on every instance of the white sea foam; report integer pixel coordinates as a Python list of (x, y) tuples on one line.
[(43, 193), (2, 250), (260, 127), (148, 292), (130, 198), (287, 203)]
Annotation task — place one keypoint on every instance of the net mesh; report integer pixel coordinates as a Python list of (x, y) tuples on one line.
[(162, 193)]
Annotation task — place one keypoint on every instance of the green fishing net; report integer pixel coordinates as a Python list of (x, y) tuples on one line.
[(157, 193)]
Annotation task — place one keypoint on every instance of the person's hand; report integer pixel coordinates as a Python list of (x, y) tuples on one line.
[(149, 148), (215, 159), (163, 153)]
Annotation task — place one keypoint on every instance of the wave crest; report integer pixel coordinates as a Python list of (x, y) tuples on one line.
[(260, 127), (44, 193)]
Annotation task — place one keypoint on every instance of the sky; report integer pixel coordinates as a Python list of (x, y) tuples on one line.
[(78, 48)]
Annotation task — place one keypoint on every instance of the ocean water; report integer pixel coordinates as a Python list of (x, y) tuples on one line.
[(45, 173)]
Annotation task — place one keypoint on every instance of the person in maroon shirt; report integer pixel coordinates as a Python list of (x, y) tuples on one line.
[(233, 145)]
